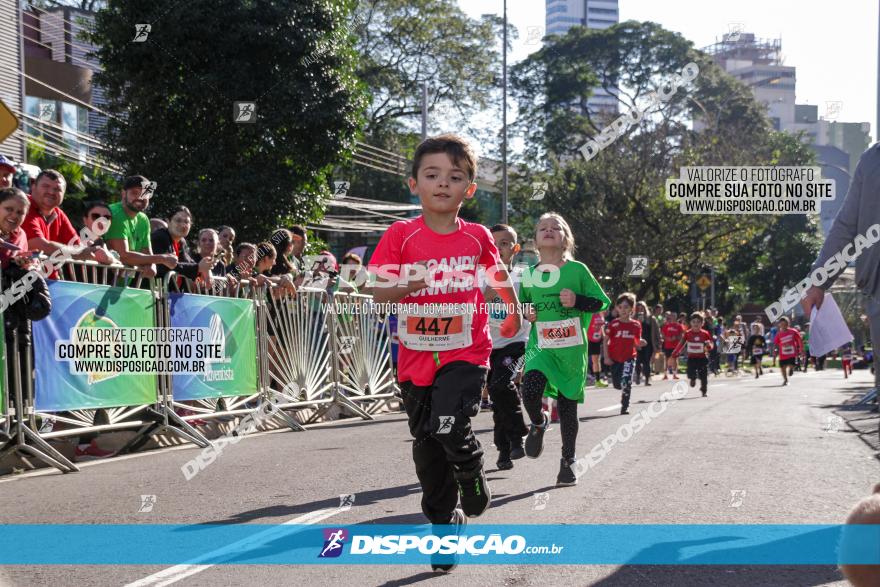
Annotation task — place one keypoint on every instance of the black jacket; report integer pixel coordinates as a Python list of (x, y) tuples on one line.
[(186, 265)]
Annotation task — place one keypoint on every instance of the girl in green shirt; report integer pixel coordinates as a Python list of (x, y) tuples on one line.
[(563, 295)]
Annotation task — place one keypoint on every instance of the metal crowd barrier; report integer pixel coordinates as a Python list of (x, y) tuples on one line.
[(363, 359), (311, 354)]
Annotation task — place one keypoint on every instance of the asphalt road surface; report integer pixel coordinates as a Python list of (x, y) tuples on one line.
[(753, 452)]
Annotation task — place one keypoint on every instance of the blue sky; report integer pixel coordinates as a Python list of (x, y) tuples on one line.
[(833, 45)]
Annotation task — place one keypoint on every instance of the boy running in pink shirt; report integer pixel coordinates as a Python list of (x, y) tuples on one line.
[(429, 266)]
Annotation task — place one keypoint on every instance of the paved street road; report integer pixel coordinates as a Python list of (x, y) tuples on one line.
[(777, 447)]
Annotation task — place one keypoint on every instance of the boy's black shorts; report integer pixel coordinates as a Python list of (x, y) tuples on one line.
[(696, 367), (668, 352), (790, 361), (594, 348), (756, 359)]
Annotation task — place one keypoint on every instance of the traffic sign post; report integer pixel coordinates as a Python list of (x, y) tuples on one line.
[(8, 122), (703, 282)]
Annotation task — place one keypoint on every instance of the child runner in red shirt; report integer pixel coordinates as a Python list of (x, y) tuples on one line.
[(672, 333), (429, 264), (595, 334), (622, 337), (698, 342), (789, 344)]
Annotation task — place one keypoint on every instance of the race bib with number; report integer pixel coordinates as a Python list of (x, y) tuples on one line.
[(788, 350), (757, 351), (560, 334), (425, 329), (695, 348)]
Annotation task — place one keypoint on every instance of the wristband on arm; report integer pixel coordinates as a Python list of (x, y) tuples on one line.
[(587, 304)]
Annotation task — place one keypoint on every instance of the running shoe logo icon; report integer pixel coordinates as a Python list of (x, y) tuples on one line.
[(334, 541), (446, 423)]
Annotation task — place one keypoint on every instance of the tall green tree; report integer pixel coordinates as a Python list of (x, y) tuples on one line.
[(615, 201), (172, 103)]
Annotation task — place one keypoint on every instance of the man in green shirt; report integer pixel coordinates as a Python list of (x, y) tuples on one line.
[(129, 233)]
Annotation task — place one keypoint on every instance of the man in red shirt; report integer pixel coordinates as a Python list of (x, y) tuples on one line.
[(623, 336), (48, 228), (789, 344), (672, 332), (698, 342)]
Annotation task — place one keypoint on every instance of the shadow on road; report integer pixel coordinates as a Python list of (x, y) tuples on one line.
[(693, 573), (280, 511)]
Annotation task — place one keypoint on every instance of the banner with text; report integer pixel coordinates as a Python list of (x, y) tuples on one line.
[(232, 325), (77, 308)]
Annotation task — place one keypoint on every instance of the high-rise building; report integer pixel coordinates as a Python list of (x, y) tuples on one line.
[(594, 14), (838, 145)]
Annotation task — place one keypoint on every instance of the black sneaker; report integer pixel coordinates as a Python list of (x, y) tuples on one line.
[(504, 463), (516, 450), (474, 494), (624, 410), (535, 438), (566, 476), (445, 563)]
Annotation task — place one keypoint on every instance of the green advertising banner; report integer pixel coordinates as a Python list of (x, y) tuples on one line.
[(77, 307), (232, 324)]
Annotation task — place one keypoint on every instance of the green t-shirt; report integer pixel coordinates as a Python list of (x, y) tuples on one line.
[(564, 367), (136, 231)]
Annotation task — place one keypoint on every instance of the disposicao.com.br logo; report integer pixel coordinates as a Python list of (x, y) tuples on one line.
[(430, 544)]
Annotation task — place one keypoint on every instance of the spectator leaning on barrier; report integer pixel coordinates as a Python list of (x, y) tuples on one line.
[(172, 241), (209, 247), (282, 240), (300, 240), (129, 233), (227, 244), (13, 241), (47, 226), (242, 265), (7, 170)]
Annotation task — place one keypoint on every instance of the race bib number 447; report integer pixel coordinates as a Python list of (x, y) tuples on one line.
[(560, 334), (425, 329)]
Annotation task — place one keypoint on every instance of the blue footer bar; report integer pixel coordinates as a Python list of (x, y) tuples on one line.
[(636, 544)]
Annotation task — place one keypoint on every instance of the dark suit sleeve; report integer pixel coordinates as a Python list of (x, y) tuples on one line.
[(186, 265)]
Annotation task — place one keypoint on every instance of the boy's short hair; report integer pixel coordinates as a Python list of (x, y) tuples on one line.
[(458, 149), (629, 298), (501, 227), (682, 315), (784, 319), (697, 316)]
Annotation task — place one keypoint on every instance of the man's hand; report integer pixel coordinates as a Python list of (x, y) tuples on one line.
[(530, 314), (815, 297), (642, 342), (608, 361), (102, 255), (148, 270), (169, 261), (567, 298)]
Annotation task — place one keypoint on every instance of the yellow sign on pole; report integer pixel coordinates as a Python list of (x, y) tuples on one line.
[(8, 122), (703, 282)]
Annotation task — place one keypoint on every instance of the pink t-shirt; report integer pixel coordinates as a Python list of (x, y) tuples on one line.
[(465, 250)]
